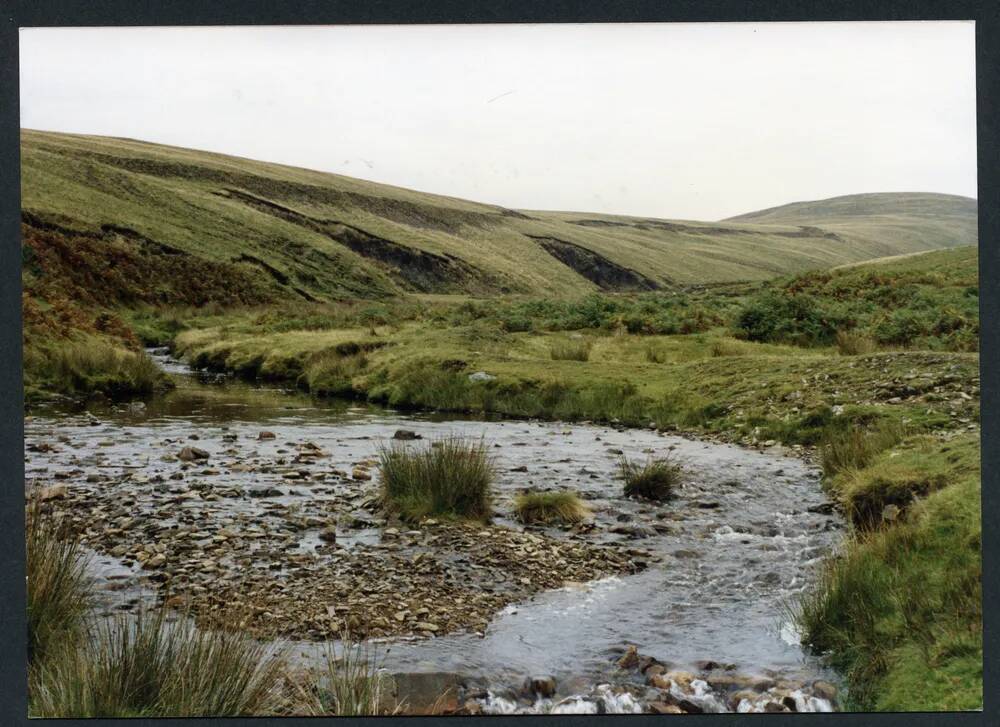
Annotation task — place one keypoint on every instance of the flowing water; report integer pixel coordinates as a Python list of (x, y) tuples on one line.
[(742, 538)]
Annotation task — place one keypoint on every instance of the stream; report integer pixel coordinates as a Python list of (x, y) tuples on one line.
[(728, 554)]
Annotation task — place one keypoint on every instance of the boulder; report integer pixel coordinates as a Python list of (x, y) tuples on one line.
[(265, 435), (406, 435), (359, 473)]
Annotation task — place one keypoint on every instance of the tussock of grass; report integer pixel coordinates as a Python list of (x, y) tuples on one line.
[(452, 477), (59, 595), (550, 507), (91, 365), (730, 347), (653, 480), (353, 684), (855, 447), (850, 343), (571, 350), (900, 611), (332, 374), (148, 667)]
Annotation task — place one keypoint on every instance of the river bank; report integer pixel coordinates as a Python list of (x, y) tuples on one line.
[(239, 534)]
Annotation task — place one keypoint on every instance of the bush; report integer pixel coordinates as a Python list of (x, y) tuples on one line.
[(854, 344), (452, 477), (58, 586), (775, 317), (147, 667), (654, 480), (573, 350), (550, 507)]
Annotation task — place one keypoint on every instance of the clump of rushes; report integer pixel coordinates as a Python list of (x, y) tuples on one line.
[(855, 448), (550, 507), (730, 347), (854, 344), (452, 477), (573, 350), (653, 480), (58, 586), (148, 667), (351, 685)]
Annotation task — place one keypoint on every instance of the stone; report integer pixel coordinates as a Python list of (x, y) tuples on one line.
[(265, 435), (630, 659), (361, 474), (664, 708), (406, 435), (481, 376), (688, 707), (189, 454), (539, 686), (53, 492), (890, 513), (427, 626), (328, 535), (824, 690), (156, 561)]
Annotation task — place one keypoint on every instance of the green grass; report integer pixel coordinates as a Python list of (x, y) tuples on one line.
[(59, 590), (900, 611), (451, 477), (854, 344), (351, 684), (855, 447), (547, 508), (149, 667), (655, 479), (200, 207), (571, 350), (90, 365)]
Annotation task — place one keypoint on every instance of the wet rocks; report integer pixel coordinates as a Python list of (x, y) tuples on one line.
[(539, 686), (190, 454), (53, 492), (360, 473), (406, 435), (265, 435)]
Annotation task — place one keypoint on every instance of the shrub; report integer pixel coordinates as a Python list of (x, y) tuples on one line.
[(58, 586), (854, 344), (352, 685), (145, 666), (654, 480), (451, 477), (572, 350), (785, 318), (856, 447), (550, 507)]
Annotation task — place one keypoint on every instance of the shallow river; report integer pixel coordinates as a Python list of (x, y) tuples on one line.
[(737, 544)]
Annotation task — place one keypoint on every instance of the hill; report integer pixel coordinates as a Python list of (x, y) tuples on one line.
[(286, 232)]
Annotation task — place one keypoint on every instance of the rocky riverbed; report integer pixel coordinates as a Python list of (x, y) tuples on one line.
[(259, 509)]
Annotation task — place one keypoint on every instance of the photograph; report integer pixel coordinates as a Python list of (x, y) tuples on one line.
[(500, 369)]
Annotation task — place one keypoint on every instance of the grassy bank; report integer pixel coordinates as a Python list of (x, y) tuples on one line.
[(900, 609)]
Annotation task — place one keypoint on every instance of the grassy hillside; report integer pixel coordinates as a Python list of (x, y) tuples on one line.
[(311, 235)]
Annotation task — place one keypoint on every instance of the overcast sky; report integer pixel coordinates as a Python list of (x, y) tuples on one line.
[(696, 121)]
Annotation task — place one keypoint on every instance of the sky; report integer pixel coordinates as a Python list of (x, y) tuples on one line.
[(683, 121)]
